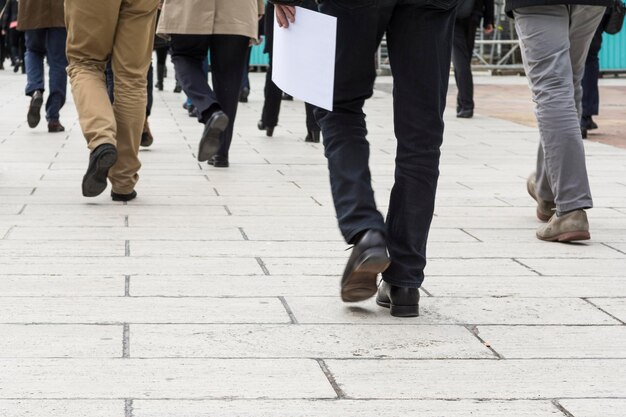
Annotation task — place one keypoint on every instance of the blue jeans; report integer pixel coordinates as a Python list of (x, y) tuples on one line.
[(51, 44), (419, 39)]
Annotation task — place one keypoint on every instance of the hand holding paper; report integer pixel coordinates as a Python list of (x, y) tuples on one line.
[(304, 56)]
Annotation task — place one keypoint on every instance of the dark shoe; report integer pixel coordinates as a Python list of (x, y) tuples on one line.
[(287, 97), (210, 141), (191, 111), (269, 130), (186, 105), (34, 110), (55, 127), (401, 301), (243, 96), (159, 85), (123, 197), (587, 123), (313, 136), (219, 161), (465, 114), (100, 161), (146, 135), (368, 259), (584, 133), (178, 88), (160, 76)]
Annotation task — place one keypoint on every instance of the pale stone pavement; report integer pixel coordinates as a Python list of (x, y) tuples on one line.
[(215, 293)]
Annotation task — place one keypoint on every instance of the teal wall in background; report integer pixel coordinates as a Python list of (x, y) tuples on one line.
[(257, 57), (613, 52)]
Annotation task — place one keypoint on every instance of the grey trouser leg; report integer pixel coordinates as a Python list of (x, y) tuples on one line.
[(554, 42)]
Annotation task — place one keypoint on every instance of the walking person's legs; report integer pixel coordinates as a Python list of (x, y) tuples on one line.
[(57, 61), (463, 47), (35, 76), (555, 40)]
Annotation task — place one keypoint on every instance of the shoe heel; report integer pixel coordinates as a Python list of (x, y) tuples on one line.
[(404, 311)]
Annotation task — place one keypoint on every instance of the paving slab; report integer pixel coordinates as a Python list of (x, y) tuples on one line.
[(593, 407), (161, 378), (346, 408), (485, 379), (62, 408)]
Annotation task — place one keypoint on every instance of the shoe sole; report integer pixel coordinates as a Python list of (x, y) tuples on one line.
[(567, 237), (95, 182), (34, 112), (361, 284), (210, 142), (400, 311), (146, 140)]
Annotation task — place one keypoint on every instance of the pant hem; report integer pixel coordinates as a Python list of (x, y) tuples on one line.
[(403, 284), (565, 208)]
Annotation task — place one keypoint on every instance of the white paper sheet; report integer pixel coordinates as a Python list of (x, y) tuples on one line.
[(304, 57)]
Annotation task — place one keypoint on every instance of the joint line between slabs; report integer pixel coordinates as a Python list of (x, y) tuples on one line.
[(6, 235), (292, 316), (230, 213), (603, 310), (127, 286), (21, 210), (126, 224), (527, 267), (331, 379), (243, 234), (126, 341), (470, 235), (33, 191), (615, 249), (128, 407), (127, 248), (263, 266), (474, 331), (562, 409)]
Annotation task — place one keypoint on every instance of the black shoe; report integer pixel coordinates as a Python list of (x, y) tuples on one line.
[(178, 88), (123, 197), (402, 302), (243, 96), (34, 110), (100, 161), (287, 97), (584, 133), (55, 127), (191, 111), (269, 130), (210, 141), (146, 136), (368, 259), (219, 161), (587, 123), (159, 85), (313, 136), (465, 114)]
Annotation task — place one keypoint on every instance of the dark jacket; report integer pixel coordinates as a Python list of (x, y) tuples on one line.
[(518, 4), (41, 14), (10, 14)]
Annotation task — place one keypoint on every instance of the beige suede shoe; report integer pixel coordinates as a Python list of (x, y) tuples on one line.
[(545, 209), (566, 228)]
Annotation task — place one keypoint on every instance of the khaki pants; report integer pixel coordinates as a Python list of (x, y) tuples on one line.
[(122, 31)]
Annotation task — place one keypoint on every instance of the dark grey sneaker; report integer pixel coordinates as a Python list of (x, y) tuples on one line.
[(368, 259)]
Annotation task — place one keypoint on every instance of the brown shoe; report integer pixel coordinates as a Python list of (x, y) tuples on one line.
[(566, 228), (146, 135), (545, 209), (55, 127)]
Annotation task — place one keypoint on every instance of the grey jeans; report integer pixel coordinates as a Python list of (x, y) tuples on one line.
[(554, 42)]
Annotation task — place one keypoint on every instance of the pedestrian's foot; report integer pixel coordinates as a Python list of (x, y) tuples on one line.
[(210, 141), (243, 96), (146, 135), (100, 161), (584, 132), (159, 85), (55, 127), (567, 227), (545, 209), (368, 259), (191, 111), (219, 161), (587, 123), (123, 197), (401, 301), (34, 110), (178, 88), (269, 130), (313, 136), (465, 114)]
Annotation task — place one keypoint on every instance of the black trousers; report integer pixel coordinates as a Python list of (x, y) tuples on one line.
[(463, 48), (591, 94), (228, 55), (419, 39)]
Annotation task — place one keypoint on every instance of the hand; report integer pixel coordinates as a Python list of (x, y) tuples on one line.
[(489, 29), (284, 15)]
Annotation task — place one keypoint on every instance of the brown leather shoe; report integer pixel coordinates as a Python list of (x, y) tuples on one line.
[(566, 228), (545, 209), (55, 127)]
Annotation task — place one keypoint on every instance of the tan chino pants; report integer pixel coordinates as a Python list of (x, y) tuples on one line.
[(121, 31)]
